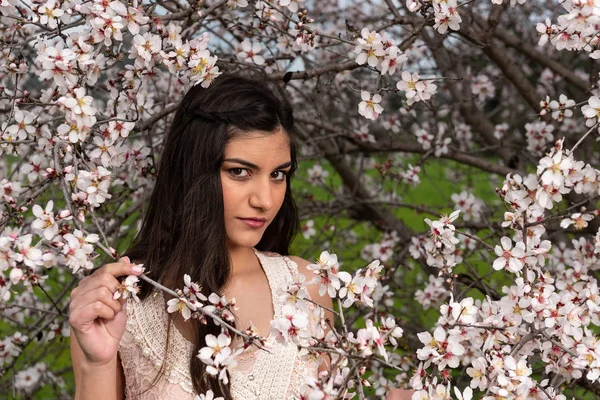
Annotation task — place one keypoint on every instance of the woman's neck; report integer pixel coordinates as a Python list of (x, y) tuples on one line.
[(242, 259)]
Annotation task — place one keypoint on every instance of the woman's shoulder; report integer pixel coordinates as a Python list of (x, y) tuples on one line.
[(299, 262), (309, 274), (301, 265)]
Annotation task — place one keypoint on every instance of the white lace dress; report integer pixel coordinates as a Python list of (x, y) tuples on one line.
[(276, 375)]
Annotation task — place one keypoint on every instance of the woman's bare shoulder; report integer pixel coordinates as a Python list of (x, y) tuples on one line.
[(313, 289), (301, 262), (303, 267)]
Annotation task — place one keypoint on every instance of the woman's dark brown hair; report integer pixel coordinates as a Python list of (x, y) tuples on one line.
[(183, 231)]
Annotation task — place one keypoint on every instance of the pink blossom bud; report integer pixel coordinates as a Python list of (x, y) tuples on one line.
[(64, 214)]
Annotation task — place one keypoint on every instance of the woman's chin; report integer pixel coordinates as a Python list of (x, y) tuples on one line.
[(246, 242)]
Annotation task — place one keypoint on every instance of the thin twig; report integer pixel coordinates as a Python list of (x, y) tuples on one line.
[(584, 136)]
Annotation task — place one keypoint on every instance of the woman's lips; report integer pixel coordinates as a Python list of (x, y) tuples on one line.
[(253, 223)]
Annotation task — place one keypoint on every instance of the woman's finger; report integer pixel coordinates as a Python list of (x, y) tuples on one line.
[(84, 316), (120, 268), (103, 279), (102, 294), (107, 276)]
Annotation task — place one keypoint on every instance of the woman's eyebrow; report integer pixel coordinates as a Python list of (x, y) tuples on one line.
[(256, 167)]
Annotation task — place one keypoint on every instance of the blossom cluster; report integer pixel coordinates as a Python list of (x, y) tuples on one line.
[(380, 52), (416, 89), (382, 250), (446, 13), (27, 261), (471, 208), (32, 378), (439, 141), (550, 309), (218, 355), (575, 29), (440, 249)]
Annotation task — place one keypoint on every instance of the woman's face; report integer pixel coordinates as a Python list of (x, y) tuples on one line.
[(253, 177)]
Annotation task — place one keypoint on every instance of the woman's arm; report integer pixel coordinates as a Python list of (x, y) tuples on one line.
[(96, 381), (97, 323)]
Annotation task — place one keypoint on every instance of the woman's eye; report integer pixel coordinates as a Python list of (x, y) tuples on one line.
[(279, 175), (239, 172)]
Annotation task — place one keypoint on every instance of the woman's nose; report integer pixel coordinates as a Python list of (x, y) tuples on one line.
[(261, 196)]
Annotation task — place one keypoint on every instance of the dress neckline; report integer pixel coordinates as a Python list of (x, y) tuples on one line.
[(271, 279)]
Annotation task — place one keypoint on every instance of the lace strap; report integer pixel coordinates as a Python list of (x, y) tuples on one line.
[(293, 269), (291, 265), (274, 277)]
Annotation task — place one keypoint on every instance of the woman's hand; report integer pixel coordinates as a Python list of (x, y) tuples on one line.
[(400, 394), (98, 320)]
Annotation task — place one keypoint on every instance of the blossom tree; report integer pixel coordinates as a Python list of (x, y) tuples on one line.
[(492, 104)]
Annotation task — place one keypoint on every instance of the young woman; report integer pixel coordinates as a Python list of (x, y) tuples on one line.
[(222, 212)]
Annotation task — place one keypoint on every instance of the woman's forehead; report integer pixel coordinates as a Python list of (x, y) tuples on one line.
[(259, 146)]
